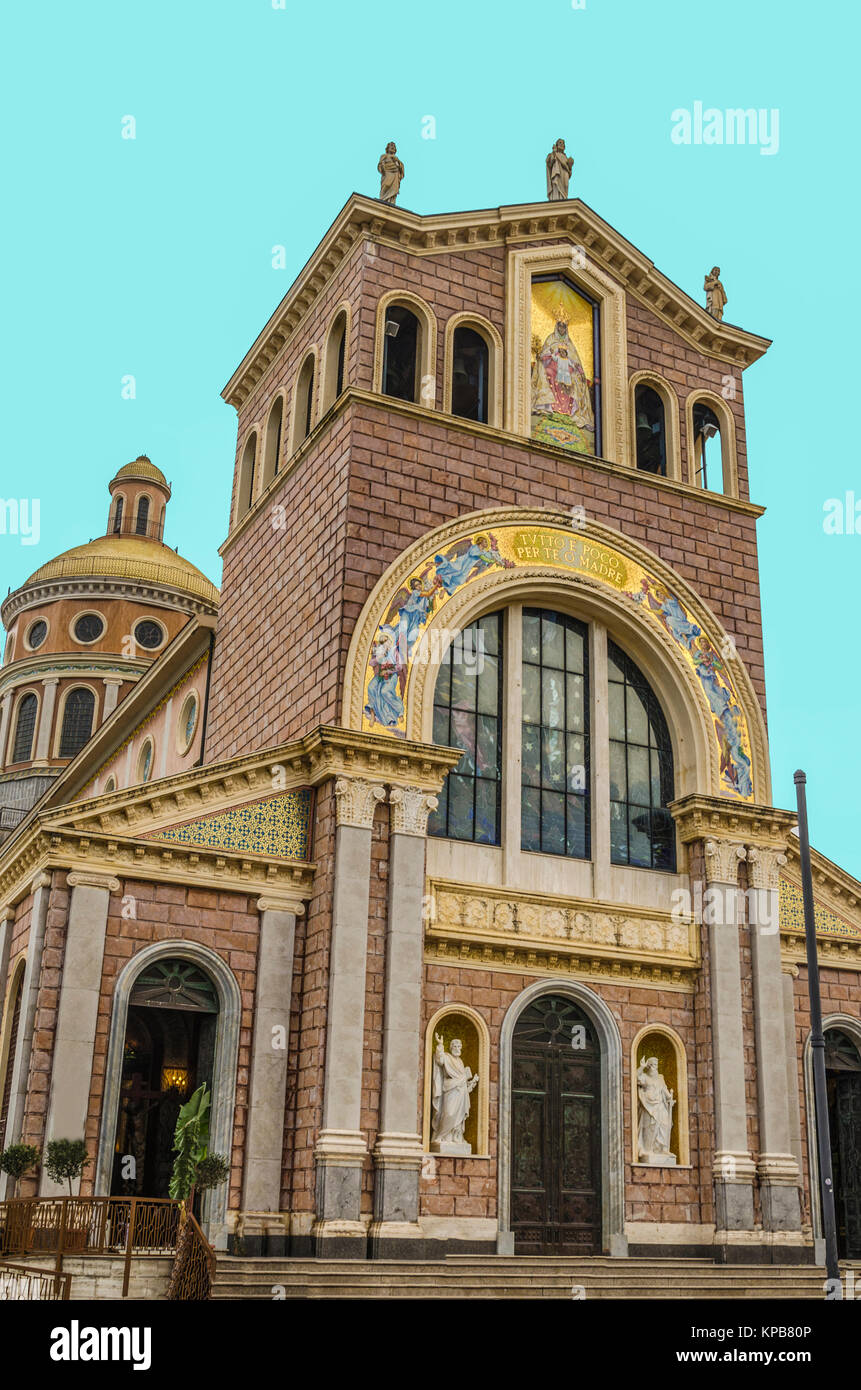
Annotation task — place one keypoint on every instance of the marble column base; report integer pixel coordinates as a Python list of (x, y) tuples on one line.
[(397, 1163), (340, 1157), (733, 1172), (779, 1192)]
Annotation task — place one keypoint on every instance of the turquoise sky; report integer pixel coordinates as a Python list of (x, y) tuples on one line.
[(254, 124)]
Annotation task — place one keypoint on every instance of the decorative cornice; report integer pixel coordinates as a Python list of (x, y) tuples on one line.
[(149, 592), (536, 933), (700, 817), (356, 800), (365, 219), (411, 807), (56, 664)]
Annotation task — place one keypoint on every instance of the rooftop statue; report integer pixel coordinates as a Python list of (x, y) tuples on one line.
[(560, 166), (391, 171), (715, 293)]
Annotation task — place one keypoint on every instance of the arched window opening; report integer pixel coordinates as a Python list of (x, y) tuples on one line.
[(843, 1079), (303, 404), (246, 474), (78, 716), (708, 457), (470, 370), (272, 447), (642, 832), (651, 429), (142, 517), (468, 715), (336, 347), (25, 728), (555, 735), (118, 515), (401, 354)]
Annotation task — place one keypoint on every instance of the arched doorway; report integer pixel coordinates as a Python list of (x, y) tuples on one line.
[(168, 1051), (843, 1078), (555, 1184)]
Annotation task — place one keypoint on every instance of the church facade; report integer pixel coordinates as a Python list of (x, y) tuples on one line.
[(452, 866)]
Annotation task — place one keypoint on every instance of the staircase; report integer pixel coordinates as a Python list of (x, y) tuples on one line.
[(504, 1276)]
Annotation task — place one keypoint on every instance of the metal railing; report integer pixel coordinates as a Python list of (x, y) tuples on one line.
[(124, 1226), (26, 1283)]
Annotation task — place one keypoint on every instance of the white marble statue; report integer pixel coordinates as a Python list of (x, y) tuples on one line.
[(453, 1083), (656, 1115)]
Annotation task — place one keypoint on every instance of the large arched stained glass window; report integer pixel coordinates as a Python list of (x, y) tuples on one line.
[(555, 737), (642, 832), (468, 715)]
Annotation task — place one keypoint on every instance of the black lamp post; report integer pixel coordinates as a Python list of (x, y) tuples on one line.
[(817, 1040)]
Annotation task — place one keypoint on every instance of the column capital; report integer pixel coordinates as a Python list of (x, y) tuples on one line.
[(356, 800), (50, 680), (764, 865), (722, 858), (411, 807), (81, 879), (273, 904)]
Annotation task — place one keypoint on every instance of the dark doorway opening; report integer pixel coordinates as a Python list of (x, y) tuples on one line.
[(168, 1052), (555, 1131), (843, 1079)]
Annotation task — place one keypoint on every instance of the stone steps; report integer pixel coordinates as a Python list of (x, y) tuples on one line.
[(511, 1277)]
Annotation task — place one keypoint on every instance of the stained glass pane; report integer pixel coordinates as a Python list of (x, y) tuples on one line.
[(642, 832), (467, 715), (555, 689)]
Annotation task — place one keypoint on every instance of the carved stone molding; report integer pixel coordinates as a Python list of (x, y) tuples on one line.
[(780, 1170), (356, 800), (287, 904), (411, 807), (83, 879), (722, 858), (733, 1165), (539, 933), (764, 867), (701, 817)]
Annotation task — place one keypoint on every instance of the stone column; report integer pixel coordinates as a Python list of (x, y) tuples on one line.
[(5, 715), (46, 718), (398, 1150), (733, 1164), (777, 1165), (112, 692), (341, 1149), (793, 1093), (20, 1063), (77, 1010), (264, 1135)]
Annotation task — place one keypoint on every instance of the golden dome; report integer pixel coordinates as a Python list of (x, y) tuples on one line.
[(144, 468), (129, 557)]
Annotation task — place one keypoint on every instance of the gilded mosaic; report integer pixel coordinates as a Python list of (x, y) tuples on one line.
[(439, 577), (827, 922), (278, 827)]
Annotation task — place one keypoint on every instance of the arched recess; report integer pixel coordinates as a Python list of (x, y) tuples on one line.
[(303, 407), (17, 733), (575, 584), (612, 1129), (426, 393), (493, 339), (671, 419), (729, 457), (245, 483), (273, 439), (657, 1039), (334, 364), (9, 1041), (476, 1054), (846, 1024), (224, 1064)]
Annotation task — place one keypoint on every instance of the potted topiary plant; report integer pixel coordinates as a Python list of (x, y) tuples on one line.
[(64, 1161), (17, 1161)]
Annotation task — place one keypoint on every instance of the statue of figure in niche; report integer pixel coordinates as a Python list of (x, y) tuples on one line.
[(715, 293), (453, 1083), (656, 1115), (391, 171), (559, 169)]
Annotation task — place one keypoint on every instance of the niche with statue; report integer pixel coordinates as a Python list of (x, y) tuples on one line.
[(659, 1099), (456, 1084)]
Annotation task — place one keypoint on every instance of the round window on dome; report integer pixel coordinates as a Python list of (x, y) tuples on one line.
[(89, 627), (149, 634), (37, 634)]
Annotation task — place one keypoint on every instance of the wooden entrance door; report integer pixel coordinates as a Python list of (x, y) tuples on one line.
[(555, 1131), (843, 1074)]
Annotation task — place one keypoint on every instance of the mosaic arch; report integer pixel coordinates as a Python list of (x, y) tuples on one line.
[(447, 570)]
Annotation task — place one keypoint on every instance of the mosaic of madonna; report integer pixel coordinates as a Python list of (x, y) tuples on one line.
[(565, 407), (436, 579)]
